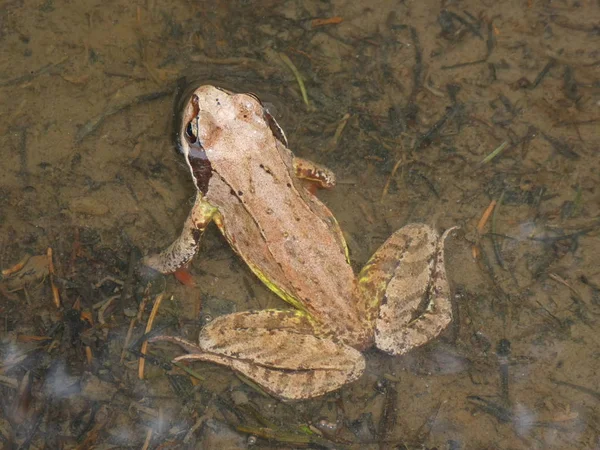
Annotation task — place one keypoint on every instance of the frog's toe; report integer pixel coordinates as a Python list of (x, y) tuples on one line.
[(401, 339)]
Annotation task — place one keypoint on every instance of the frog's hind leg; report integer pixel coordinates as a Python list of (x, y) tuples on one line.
[(186, 245), (405, 289), (278, 350)]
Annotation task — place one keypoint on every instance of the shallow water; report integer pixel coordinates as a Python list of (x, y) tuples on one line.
[(408, 101)]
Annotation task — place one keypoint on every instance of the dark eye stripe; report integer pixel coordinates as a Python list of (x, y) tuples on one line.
[(201, 167)]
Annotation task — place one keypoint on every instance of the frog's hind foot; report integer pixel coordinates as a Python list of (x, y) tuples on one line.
[(278, 351), (415, 307)]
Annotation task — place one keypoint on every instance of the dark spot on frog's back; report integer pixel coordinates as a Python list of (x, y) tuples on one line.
[(266, 169)]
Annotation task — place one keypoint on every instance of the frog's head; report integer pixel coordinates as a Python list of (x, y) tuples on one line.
[(208, 112)]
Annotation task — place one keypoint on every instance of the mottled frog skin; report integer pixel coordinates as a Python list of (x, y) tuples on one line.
[(254, 189)]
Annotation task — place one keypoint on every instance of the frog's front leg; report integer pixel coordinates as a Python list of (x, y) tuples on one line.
[(313, 172), (405, 289), (278, 350), (186, 245)]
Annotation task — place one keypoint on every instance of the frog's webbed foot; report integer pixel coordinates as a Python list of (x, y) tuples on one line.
[(180, 252), (279, 351), (314, 173), (408, 278)]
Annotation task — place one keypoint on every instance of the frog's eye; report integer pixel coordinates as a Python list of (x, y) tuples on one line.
[(189, 133)]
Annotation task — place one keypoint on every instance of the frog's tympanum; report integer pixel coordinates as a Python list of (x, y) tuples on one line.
[(253, 188)]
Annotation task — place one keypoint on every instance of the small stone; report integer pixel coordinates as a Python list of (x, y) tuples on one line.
[(130, 312), (239, 398)]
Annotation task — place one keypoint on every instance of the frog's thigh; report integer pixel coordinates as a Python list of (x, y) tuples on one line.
[(278, 351), (186, 245), (407, 276), (316, 173)]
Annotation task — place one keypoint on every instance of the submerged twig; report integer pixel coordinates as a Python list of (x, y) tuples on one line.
[(549, 65), (17, 267), (503, 353), (489, 47), (594, 393), (23, 155), (288, 437), (55, 293), (495, 244), (93, 124), (485, 216), (562, 237), (128, 284), (132, 324), (564, 22), (470, 26), (315, 23), (425, 139), (425, 429), (288, 62), (388, 415), (418, 67), (561, 147), (339, 130), (144, 346), (495, 153), (33, 74), (386, 187), (500, 412)]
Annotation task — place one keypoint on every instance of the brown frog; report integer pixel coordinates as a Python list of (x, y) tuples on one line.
[(251, 185)]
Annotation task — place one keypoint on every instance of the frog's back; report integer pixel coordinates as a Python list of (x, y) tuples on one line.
[(286, 235)]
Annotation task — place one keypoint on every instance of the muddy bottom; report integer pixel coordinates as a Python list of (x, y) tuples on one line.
[(482, 115)]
